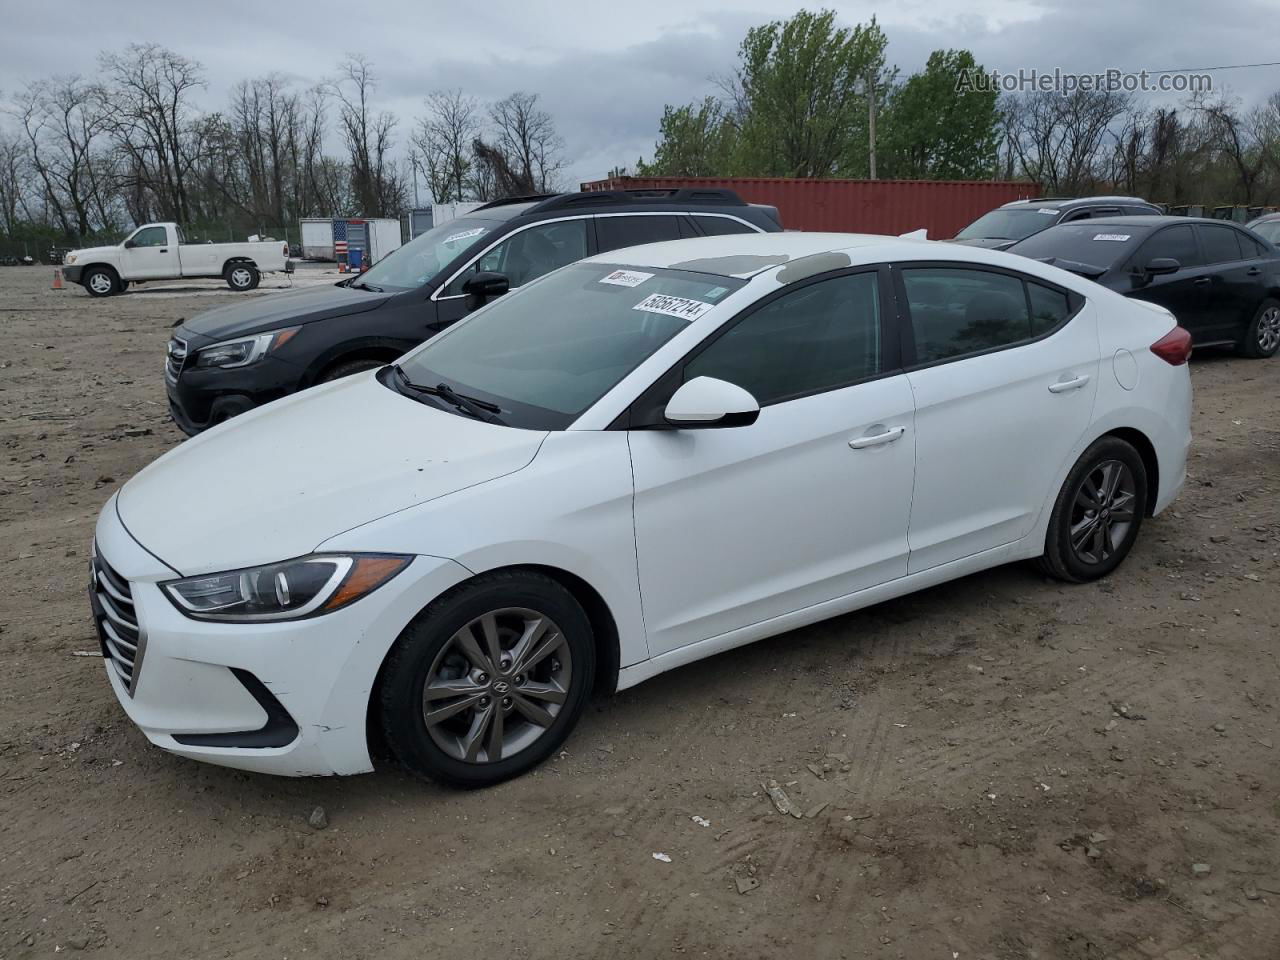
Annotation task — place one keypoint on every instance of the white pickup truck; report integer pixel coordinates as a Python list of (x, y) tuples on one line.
[(157, 251)]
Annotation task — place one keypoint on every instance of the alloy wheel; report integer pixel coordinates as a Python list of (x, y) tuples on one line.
[(497, 685), (1102, 512), (1269, 329), (100, 282), (241, 277)]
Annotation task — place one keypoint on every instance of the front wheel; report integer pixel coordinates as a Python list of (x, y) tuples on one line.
[(488, 681), (1262, 336), (1098, 512), (242, 276), (101, 282)]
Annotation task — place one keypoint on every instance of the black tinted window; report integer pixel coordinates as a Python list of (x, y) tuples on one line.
[(1049, 307), (1250, 247), (529, 253), (1177, 242), (819, 337), (1220, 244), (615, 232), (955, 311), (721, 226)]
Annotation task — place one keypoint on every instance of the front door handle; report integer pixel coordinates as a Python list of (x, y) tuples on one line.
[(876, 439), (1062, 386), (1201, 281), (1253, 271)]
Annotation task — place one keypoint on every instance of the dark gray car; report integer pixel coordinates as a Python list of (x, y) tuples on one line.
[(1004, 226)]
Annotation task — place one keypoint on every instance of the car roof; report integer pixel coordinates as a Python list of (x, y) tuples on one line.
[(743, 255), (1150, 220), (1067, 202)]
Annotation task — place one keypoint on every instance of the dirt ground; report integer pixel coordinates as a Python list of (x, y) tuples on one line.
[(1011, 768)]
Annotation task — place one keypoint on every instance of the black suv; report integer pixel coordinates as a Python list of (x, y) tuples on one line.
[(229, 360), (1004, 226)]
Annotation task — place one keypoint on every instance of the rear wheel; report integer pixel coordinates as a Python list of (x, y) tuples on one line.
[(1097, 514), (487, 682), (1262, 336), (101, 282), (241, 276)]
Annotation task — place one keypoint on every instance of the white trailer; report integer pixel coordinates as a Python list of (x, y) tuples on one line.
[(317, 238)]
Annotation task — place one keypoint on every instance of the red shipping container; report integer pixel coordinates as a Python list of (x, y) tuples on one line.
[(943, 207)]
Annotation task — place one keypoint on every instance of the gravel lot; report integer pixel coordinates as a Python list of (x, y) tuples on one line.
[(1002, 767)]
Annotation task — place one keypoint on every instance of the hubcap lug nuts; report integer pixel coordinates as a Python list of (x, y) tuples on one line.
[(484, 701), (520, 681), (483, 678), (506, 701)]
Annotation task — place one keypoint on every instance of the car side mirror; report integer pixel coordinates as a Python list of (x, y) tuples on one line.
[(130, 243), (483, 287), (706, 402), (1163, 265)]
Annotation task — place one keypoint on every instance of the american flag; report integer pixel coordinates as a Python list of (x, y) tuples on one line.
[(339, 238)]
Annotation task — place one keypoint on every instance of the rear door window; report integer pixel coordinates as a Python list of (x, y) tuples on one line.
[(1220, 244), (628, 231), (721, 226), (955, 311)]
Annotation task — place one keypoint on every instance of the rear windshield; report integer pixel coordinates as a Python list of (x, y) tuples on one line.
[(1089, 242), (1268, 230), (1009, 224)]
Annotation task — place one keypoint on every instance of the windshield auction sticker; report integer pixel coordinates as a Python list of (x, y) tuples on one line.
[(1121, 237), (464, 235), (626, 278), (673, 306)]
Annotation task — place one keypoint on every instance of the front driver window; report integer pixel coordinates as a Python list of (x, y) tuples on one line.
[(822, 336), (527, 255), (150, 237)]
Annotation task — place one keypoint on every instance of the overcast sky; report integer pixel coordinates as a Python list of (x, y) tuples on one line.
[(605, 70)]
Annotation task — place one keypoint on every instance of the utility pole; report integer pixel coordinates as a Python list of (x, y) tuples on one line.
[(871, 122)]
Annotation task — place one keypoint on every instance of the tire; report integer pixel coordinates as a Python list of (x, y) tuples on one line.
[(348, 368), (455, 748), (1100, 547), (1262, 336), (101, 282), (241, 276)]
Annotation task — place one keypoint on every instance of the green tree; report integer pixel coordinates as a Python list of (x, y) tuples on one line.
[(799, 90), (693, 141), (932, 129)]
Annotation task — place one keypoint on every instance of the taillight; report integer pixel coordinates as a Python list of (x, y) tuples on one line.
[(1174, 347)]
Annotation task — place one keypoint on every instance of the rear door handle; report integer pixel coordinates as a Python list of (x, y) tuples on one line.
[(876, 439), (1062, 386), (1253, 271), (1200, 282)]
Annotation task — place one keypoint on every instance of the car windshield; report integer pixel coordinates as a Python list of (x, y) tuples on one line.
[(1268, 230), (1008, 224), (426, 255), (545, 353), (1094, 243)]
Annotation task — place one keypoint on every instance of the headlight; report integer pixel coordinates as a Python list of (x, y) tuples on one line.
[(306, 587), (239, 353), (69, 259)]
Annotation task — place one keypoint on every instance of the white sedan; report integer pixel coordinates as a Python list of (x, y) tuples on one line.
[(642, 459)]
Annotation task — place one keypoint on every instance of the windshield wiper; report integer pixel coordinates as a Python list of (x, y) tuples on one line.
[(480, 409), (361, 285)]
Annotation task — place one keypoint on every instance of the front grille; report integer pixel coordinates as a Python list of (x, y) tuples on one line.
[(175, 357), (122, 641)]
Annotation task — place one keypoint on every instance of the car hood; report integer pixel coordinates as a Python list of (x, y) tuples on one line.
[(83, 256), (255, 314), (276, 482), (986, 243)]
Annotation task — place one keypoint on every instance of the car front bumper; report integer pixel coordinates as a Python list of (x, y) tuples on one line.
[(287, 698), (202, 397), (72, 273)]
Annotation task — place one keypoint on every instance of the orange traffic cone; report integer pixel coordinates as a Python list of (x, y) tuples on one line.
[(342, 267), (57, 279)]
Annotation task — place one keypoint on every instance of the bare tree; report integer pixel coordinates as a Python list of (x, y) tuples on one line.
[(1058, 140), (14, 184), (1240, 139), (368, 134), (526, 136), (443, 140), (150, 112)]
